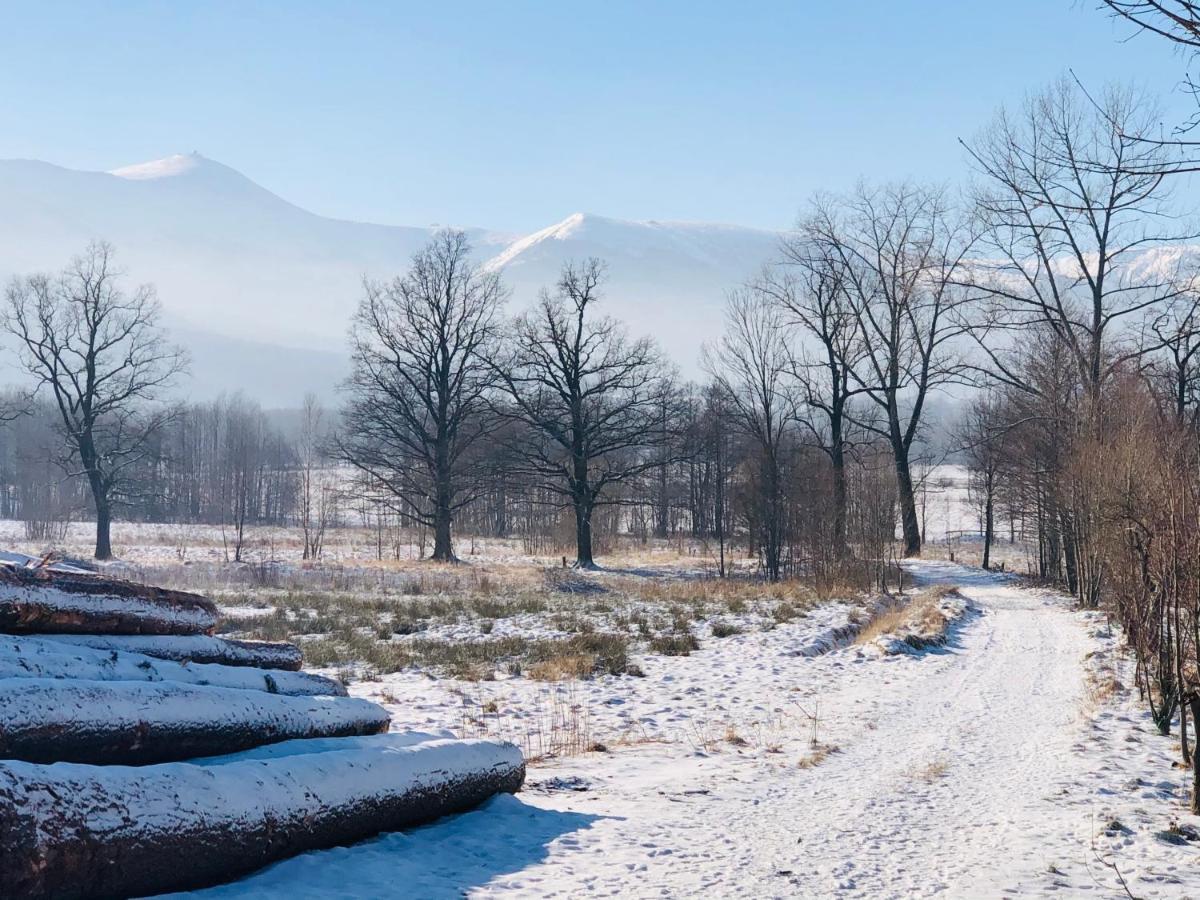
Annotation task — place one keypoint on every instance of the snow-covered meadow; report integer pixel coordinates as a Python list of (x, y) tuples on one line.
[(688, 736), (790, 761)]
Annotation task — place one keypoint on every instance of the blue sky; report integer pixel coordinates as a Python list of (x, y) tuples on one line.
[(513, 115)]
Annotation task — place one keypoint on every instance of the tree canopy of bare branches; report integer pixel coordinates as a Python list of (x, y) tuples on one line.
[(1068, 202), (892, 255), (751, 367), (1176, 20), (415, 402), (104, 360), (806, 285), (589, 398)]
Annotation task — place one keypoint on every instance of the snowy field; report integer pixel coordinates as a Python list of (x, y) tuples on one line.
[(996, 766), (730, 742)]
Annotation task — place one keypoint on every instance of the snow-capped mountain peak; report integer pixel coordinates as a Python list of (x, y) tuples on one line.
[(560, 231), (177, 164)]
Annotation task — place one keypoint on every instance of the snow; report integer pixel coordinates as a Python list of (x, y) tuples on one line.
[(78, 712), (980, 768), (33, 657), (20, 602), (185, 647), (178, 164), (266, 802)]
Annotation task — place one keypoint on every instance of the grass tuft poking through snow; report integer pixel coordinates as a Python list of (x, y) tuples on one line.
[(817, 754), (923, 622)]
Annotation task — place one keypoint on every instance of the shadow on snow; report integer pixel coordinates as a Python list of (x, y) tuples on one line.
[(445, 859)]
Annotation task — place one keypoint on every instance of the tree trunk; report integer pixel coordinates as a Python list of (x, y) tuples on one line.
[(103, 524), (182, 826), (135, 723), (443, 551), (910, 525), (662, 518), (583, 534), (43, 600), (838, 458), (199, 648), (44, 657), (1194, 701), (1070, 556), (1185, 752), (988, 520)]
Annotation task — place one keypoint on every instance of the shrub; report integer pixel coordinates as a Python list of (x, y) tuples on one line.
[(674, 644)]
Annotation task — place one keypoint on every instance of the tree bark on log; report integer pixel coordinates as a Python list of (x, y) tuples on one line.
[(127, 723), (197, 648), (132, 832), (33, 657), (55, 602)]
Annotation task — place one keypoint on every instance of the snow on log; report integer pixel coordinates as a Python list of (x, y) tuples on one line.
[(71, 831), (197, 648), (131, 723), (52, 601), (34, 657)]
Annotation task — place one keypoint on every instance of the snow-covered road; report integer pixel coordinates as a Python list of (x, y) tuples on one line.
[(947, 767), (961, 772)]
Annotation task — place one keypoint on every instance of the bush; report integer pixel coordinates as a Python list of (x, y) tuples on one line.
[(724, 629), (674, 644)]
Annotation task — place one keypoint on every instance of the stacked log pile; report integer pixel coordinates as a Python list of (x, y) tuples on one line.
[(139, 754)]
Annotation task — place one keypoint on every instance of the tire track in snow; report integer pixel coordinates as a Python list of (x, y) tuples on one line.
[(947, 790), (998, 709)]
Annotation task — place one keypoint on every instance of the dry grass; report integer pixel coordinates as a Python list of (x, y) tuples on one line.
[(563, 668), (734, 595), (817, 754), (920, 621), (885, 622), (560, 724), (1101, 681), (932, 772), (607, 654), (674, 644), (732, 737)]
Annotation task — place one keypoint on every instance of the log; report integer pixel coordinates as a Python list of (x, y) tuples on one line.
[(199, 648), (129, 723), (52, 601), (33, 657), (73, 832)]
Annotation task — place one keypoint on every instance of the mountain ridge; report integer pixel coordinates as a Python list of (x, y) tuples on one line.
[(231, 259)]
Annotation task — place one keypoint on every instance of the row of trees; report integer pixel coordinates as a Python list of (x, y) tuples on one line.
[(1091, 431), (878, 301), (443, 422)]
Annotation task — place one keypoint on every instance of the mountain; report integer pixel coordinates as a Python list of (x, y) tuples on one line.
[(666, 279), (262, 290)]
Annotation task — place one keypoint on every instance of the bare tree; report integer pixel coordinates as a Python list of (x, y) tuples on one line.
[(317, 490), (1176, 370), (1069, 201), (415, 407), (591, 399), (808, 287), (751, 366), (1176, 20), (243, 461), (981, 435), (103, 358), (897, 250)]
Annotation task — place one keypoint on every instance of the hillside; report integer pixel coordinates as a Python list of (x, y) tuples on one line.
[(246, 278)]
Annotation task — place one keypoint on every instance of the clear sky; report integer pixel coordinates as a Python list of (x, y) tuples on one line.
[(513, 115)]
